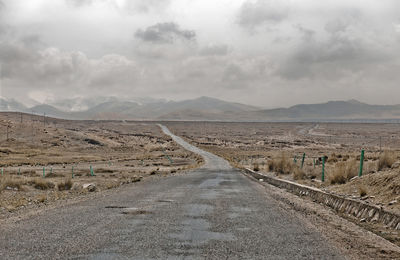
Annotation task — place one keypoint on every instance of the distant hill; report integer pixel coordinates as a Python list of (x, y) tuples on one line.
[(204, 108), (51, 111), (351, 109), (11, 105)]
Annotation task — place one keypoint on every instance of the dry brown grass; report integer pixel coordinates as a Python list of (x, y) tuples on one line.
[(386, 160), (11, 182), (282, 165), (298, 174), (344, 171), (362, 190), (256, 167), (41, 184), (41, 198), (65, 185)]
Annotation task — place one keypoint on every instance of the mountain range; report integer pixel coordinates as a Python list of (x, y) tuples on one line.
[(203, 108)]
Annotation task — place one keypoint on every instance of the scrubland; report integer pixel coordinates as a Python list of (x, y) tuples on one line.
[(46, 159)]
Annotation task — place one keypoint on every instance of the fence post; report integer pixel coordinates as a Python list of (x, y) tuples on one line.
[(295, 159), (44, 172), (72, 171), (314, 162), (361, 163), (2, 171), (323, 169), (19, 171), (91, 171), (302, 160)]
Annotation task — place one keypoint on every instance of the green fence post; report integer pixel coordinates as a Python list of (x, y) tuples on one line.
[(361, 163), (295, 159), (72, 171), (323, 169), (302, 160), (91, 171), (44, 172), (2, 171), (19, 171)]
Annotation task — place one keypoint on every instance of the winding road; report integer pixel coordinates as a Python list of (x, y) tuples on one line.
[(214, 212)]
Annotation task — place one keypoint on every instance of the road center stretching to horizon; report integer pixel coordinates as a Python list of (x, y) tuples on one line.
[(214, 212)]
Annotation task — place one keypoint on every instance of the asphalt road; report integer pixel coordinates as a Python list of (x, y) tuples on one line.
[(210, 213)]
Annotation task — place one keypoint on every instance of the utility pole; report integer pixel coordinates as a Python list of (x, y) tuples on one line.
[(8, 126), (44, 120), (21, 117), (380, 143)]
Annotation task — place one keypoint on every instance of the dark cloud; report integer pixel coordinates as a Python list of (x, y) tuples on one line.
[(161, 33), (253, 14), (331, 58)]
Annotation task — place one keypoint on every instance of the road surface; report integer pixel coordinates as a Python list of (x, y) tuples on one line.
[(213, 212)]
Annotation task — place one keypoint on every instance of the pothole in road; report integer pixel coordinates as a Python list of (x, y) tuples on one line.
[(167, 201), (115, 207), (135, 211)]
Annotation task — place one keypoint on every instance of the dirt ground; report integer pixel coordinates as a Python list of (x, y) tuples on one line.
[(44, 160), (264, 146)]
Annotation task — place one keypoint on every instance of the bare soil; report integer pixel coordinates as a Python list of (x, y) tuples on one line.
[(44, 159)]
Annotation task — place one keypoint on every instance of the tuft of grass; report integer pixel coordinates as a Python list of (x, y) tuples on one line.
[(343, 172), (362, 190), (42, 198), (11, 182), (256, 167), (64, 185), (386, 160), (41, 184), (333, 158), (298, 174), (281, 165)]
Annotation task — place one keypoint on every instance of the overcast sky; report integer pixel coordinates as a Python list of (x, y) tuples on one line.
[(268, 53)]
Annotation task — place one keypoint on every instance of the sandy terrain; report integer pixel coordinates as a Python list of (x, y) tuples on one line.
[(118, 153)]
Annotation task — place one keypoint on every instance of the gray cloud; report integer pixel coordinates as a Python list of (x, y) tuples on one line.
[(309, 49), (214, 50), (162, 33), (146, 6), (131, 6), (253, 14), (330, 58)]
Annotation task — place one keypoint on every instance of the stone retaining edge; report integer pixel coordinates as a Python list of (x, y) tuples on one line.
[(358, 209)]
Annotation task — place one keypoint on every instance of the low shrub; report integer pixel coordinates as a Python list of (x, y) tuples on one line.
[(64, 185), (386, 160), (298, 174), (281, 165), (362, 190), (10, 182), (343, 172), (256, 167), (41, 184)]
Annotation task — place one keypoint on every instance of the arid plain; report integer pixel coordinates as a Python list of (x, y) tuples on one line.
[(44, 160)]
